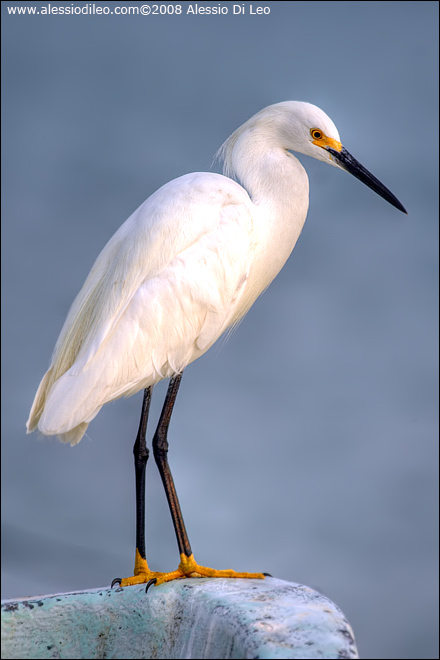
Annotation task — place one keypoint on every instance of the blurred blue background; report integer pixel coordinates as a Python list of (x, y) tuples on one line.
[(305, 445)]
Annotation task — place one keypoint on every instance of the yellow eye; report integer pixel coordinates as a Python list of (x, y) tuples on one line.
[(316, 134)]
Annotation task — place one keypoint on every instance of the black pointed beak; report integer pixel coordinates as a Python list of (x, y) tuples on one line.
[(346, 160)]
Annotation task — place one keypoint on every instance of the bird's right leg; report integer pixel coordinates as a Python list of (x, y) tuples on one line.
[(188, 566)]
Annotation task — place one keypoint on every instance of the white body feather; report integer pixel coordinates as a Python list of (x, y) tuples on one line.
[(186, 265)]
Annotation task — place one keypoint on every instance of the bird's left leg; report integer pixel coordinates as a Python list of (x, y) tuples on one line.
[(142, 572), (188, 566)]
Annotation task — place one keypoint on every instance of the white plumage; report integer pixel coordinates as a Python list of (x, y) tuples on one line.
[(185, 266)]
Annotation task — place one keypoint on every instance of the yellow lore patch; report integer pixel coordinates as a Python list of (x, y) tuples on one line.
[(321, 140)]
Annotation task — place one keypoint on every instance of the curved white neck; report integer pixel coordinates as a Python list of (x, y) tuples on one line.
[(278, 187), (272, 176)]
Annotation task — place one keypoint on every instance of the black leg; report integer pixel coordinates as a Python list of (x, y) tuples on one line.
[(188, 566), (141, 452), (160, 451)]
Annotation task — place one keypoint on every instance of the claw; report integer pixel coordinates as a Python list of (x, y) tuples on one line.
[(150, 583), (267, 574), (116, 581)]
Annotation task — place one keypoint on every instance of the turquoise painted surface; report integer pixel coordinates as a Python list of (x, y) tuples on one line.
[(191, 618)]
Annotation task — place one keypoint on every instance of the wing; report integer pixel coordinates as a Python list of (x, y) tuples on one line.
[(161, 292)]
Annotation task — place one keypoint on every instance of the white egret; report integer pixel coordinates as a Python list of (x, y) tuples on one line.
[(184, 267)]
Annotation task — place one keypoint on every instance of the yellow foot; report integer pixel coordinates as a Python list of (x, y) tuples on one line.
[(142, 572), (188, 567)]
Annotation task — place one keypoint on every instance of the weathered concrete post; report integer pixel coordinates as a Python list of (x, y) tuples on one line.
[(190, 618)]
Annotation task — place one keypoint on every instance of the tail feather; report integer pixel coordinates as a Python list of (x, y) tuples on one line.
[(72, 401), (39, 402), (73, 436)]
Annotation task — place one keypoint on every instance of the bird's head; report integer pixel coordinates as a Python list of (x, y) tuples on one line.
[(305, 128)]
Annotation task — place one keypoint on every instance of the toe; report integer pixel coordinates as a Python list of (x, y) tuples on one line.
[(167, 577), (135, 579)]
